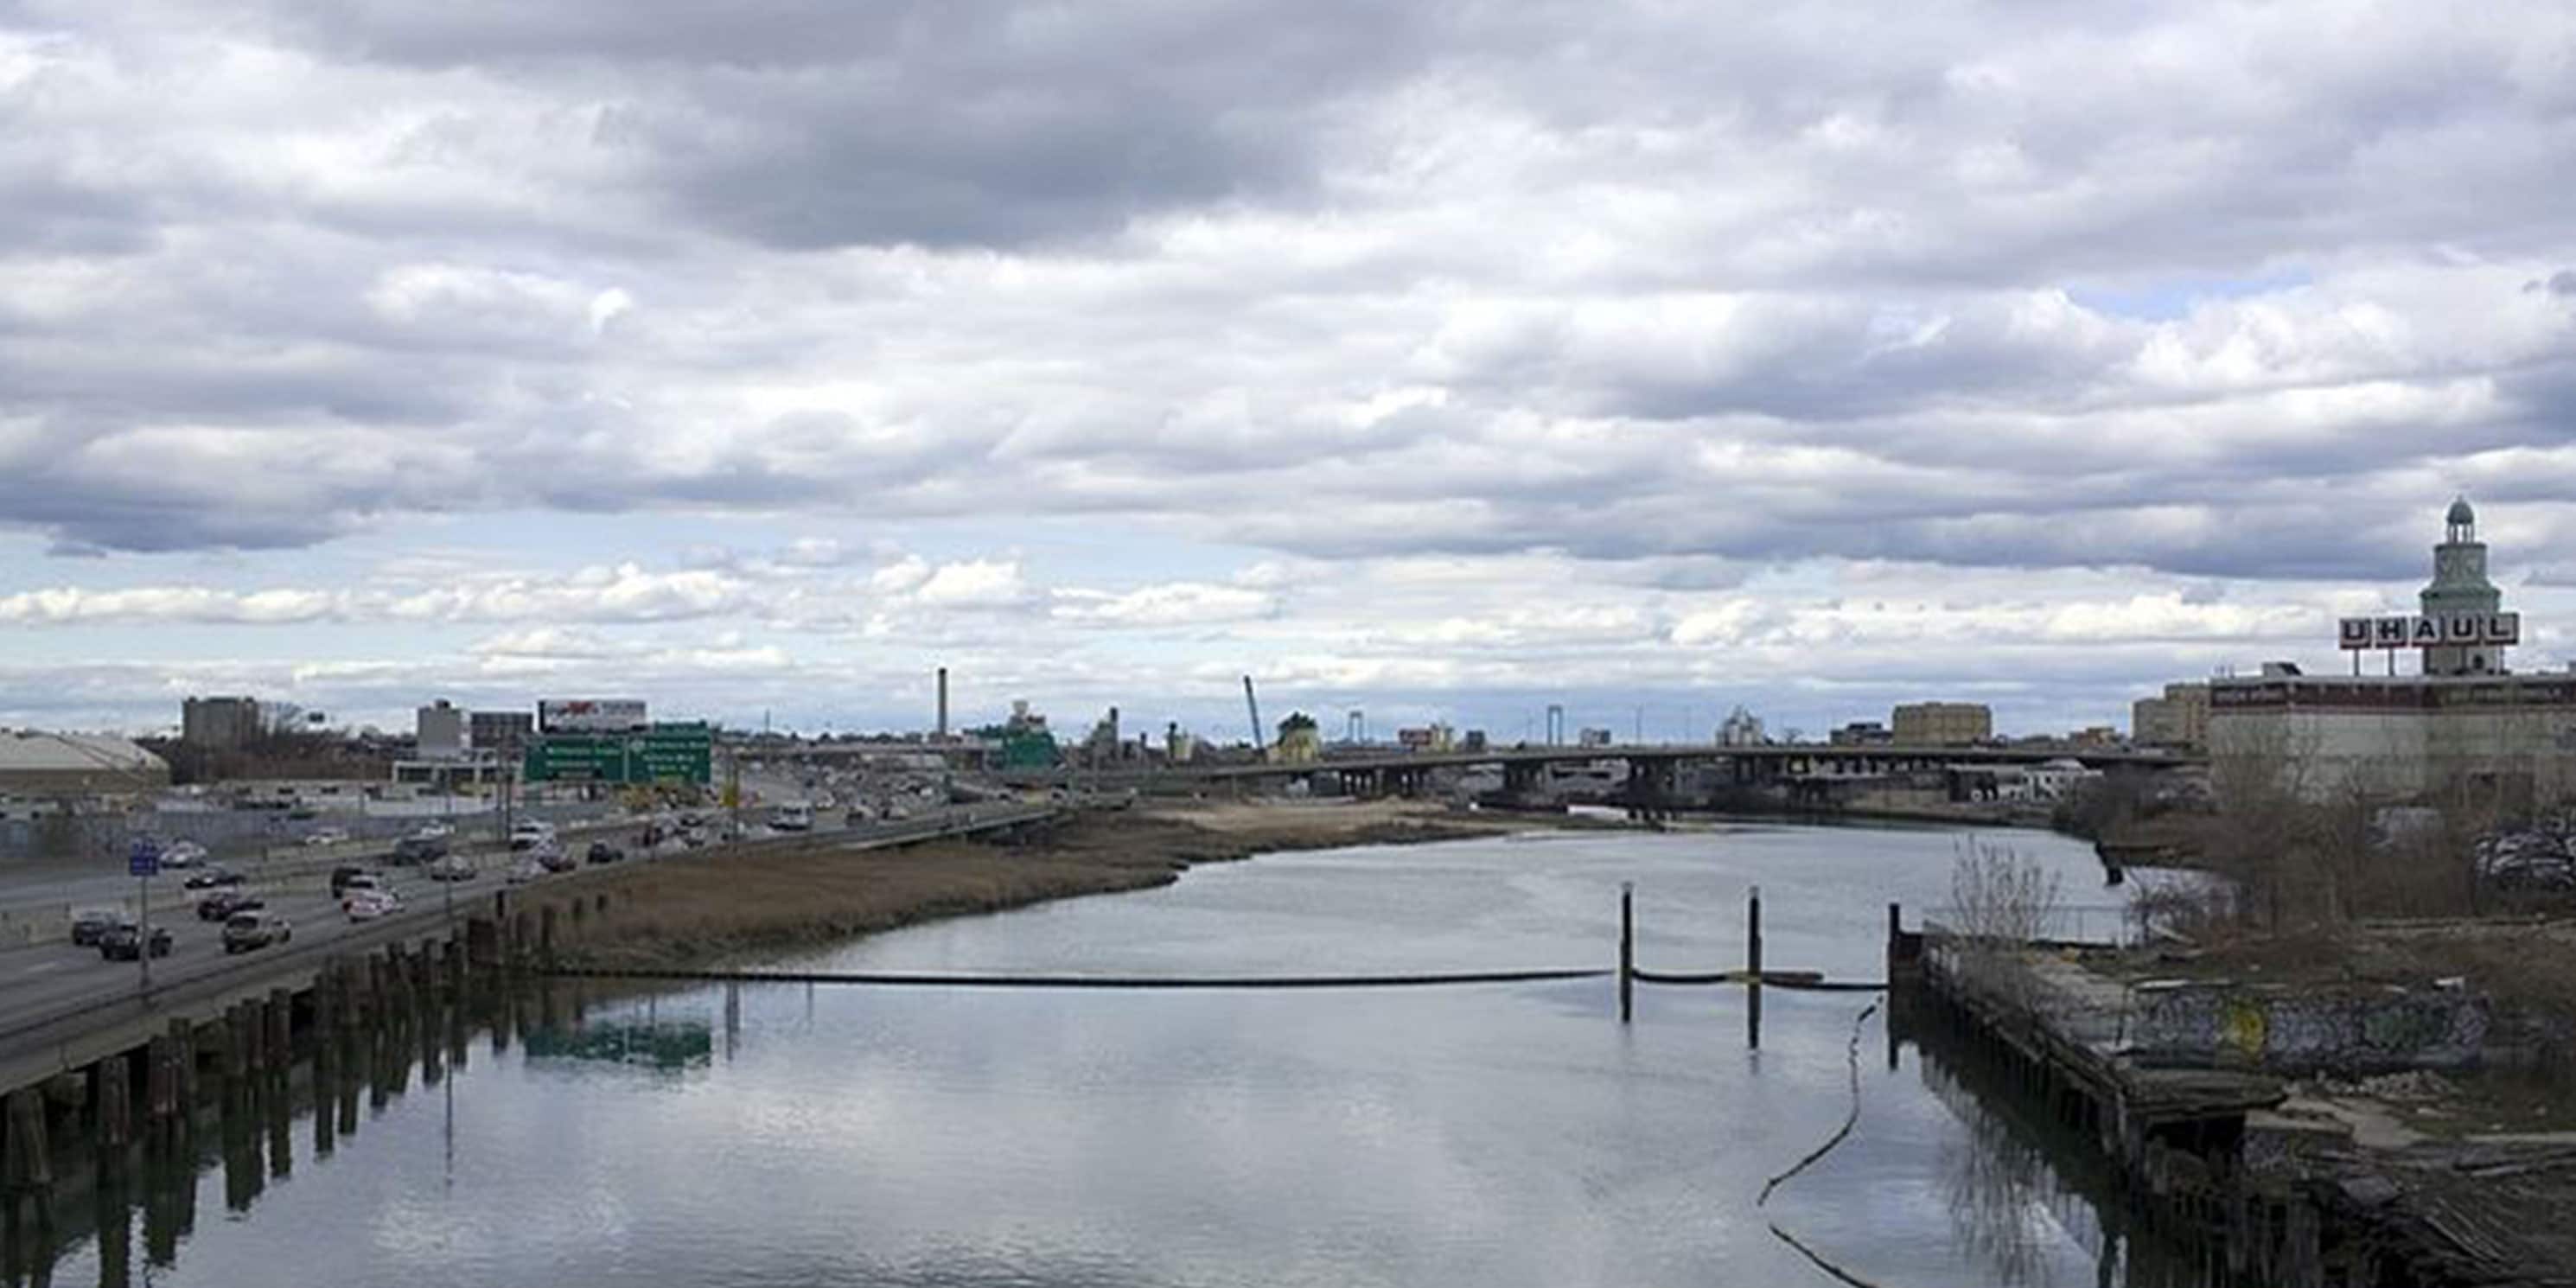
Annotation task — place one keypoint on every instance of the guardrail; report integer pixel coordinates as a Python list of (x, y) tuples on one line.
[(60, 1038)]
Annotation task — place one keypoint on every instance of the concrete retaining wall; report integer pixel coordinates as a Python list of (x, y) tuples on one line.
[(2287, 1032)]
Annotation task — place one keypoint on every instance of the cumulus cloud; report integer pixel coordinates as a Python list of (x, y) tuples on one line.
[(1830, 278), (1167, 604), (1287, 291)]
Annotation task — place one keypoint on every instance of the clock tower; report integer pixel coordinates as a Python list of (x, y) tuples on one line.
[(2460, 589)]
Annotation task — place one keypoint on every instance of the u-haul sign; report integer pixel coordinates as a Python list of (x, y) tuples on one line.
[(2413, 631)]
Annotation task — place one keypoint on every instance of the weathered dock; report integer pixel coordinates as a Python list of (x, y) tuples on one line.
[(2173, 1088)]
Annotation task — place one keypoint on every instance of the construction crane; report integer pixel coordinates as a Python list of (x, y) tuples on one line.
[(1253, 708)]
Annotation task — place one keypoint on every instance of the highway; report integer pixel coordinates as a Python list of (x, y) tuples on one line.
[(56, 999)]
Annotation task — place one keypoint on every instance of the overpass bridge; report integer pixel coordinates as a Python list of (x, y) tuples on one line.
[(1653, 770)]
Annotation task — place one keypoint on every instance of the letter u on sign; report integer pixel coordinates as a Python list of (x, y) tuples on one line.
[(2353, 632)]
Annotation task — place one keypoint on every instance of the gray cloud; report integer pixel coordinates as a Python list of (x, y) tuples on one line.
[(1338, 279), (807, 125)]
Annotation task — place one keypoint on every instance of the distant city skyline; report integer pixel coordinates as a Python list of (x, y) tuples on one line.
[(1413, 358)]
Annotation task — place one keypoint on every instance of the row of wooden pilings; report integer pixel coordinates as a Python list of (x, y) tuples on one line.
[(2179, 1183), (353, 1020)]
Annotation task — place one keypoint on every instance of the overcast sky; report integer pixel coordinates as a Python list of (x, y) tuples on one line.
[(1437, 359)]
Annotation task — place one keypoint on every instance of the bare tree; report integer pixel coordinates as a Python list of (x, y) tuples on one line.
[(2000, 903)]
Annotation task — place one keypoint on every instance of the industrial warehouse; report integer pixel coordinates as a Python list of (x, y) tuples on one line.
[(2462, 721)]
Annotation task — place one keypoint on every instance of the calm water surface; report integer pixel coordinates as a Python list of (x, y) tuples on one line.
[(1484, 1135)]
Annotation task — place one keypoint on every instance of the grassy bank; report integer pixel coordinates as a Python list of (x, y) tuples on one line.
[(704, 909)]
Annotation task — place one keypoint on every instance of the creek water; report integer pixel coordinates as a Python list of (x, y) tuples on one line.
[(1505, 1134)]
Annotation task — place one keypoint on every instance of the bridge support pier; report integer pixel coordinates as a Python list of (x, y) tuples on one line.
[(1650, 790)]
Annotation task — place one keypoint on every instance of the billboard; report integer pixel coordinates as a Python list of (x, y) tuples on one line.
[(591, 715), (2411, 631)]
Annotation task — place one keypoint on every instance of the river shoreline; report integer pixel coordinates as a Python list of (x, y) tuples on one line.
[(700, 911)]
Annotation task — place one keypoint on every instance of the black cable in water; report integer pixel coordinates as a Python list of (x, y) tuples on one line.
[(1850, 1120)]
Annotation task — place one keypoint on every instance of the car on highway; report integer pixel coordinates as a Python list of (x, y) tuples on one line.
[(360, 883), (603, 852), (453, 867), (244, 931), (326, 836), (531, 834), (343, 874), (124, 943), (182, 854), (367, 905), (90, 923), (420, 848), (211, 877), (525, 871), (553, 858), (224, 903)]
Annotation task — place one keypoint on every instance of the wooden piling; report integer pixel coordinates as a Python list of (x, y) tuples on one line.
[(546, 934), (281, 1029), (254, 1034), (1753, 971), (161, 1080), (115, 1104), (183, 1069), (1627, 951), (228, 1044), (25, 1162), (397, 984)]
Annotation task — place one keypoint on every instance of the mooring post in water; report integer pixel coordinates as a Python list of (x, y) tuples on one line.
[(1627, 951), (1753, 970)]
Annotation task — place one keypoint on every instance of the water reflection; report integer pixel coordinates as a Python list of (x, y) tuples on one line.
[(1492, 1135), (244, 1131), (670, 1047), (2016, 1181)]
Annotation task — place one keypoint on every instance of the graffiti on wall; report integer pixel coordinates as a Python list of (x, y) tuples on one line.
[(2293, 1032)]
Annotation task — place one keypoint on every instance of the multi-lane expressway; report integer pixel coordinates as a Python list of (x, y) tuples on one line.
[(62, 1006)]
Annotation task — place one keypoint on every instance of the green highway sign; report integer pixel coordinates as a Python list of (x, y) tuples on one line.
[(662, 754)]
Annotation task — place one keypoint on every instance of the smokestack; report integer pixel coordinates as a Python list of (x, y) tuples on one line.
[(943, 704)]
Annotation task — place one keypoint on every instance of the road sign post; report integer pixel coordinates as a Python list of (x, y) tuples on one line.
[(143, 859)]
